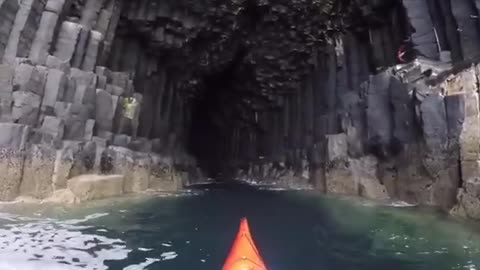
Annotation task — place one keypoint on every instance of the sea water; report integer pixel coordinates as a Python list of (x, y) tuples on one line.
[(294, 230)]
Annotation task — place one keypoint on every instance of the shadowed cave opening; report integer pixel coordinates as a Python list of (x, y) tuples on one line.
[(210, 124), (219, 109), (227, 81)]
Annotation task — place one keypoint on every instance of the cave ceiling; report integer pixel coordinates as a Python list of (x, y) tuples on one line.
[(262, 50), (266, 46)]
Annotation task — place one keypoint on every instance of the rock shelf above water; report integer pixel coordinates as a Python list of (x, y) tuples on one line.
[(311, 92)]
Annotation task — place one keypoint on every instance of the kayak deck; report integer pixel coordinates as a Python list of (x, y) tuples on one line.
[(244, 254)]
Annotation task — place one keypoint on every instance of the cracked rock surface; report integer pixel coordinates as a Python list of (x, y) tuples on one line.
[(371, 98)]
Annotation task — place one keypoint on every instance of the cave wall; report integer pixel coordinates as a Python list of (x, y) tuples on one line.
[(358, 123), (78, 98), (364, 124)]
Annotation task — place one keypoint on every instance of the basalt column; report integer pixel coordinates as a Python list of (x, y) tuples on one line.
[(79, 120), (370, 98), (380, 125)]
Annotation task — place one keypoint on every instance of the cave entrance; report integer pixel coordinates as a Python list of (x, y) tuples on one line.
[(213, 117), (205, 132)]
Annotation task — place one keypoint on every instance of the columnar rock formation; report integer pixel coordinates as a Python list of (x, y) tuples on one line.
[(364, 124), (64, 115), (370, 98)]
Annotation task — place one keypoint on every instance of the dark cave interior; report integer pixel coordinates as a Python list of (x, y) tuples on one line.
[(206, 130), (235, 62)]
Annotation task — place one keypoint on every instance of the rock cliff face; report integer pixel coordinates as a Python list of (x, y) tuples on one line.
[(364, 124), (371, 98), (66, 119)]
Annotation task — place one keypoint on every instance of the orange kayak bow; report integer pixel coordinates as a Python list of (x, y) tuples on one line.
[(244, 254)]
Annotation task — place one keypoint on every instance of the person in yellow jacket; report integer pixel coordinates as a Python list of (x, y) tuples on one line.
[(130, 109), (130, 105)]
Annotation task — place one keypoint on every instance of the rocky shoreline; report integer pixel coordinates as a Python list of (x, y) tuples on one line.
[(68, 126), (422, 142), (364, 124), (94, 102)]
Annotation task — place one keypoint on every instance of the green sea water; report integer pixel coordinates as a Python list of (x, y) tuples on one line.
[(294, 230)]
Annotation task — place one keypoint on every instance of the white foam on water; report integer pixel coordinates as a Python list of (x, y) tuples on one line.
[(470, 266), (15, 218), (271, 185), (145, 249), (143, 265), (50, 244), (208, 182), (87, 218), (15, 264), (168, 255), (401, 204), (166, 245), (183, 193), (393, 237), (272, 188), (8, 217)]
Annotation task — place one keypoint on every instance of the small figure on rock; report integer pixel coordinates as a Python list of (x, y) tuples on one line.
[(405, 52)]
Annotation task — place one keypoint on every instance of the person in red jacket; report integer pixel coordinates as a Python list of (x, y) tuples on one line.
[(405, 52), (401, 53)]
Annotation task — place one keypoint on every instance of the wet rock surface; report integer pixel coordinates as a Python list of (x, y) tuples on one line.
[(60, 109), (419, 143), (377, 99)]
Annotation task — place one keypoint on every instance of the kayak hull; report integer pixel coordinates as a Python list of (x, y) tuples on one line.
[(244, 254)]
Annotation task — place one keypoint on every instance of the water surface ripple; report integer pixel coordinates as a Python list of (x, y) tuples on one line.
[(298, 230)]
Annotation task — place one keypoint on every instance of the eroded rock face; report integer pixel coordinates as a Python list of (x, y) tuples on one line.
[(13, 140), (92, 187), (142, 171), (64, 161), (63, 196), (339, 178), (60, 110), (418, 140), (161, 177), (318, 101), (468, 200), (364, 171), (38, 172)]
